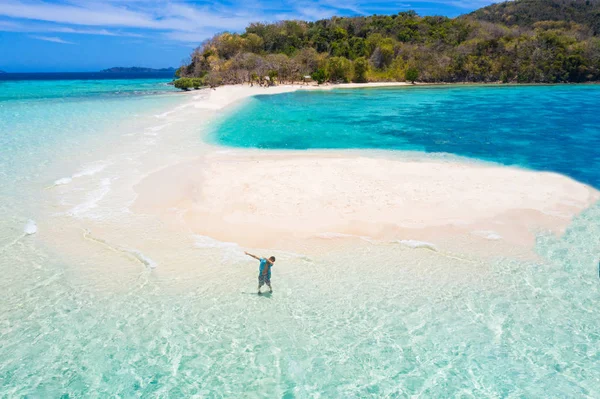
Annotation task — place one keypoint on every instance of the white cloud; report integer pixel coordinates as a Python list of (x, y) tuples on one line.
[(171, 16), (315, 13), (53, 39), (464, 4), (64, 29), (188, 18), (352, 6), (10, 26), (178, 20), (95, 14), (188, 37), (100, 32)]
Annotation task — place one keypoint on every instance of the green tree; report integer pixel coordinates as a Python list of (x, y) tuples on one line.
[(339, 69), (361, 67), (340, 34), (273, 74), (228, 45), (254, 43), (320, 75), (184, 83), (179, 71), (358, 48), (308, 60), (340, 49), (197, 82), (372, 42), (412, 74)]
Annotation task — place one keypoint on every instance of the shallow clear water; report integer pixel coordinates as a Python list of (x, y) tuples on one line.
[(43, 121), (550, 128), (416, 324), (64, 90), (87, 318)]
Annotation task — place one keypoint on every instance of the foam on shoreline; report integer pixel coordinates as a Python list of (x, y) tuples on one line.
[(88, 170), (415, 244), (137, 254), (92, 199)]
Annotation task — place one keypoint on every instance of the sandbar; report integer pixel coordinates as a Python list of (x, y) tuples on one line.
[(270, 199)]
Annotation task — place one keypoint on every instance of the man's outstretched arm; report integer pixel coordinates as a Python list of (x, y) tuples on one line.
[(254, 256)]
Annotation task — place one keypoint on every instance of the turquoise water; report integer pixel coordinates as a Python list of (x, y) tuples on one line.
[(28, 90), (37, 113), (376, 320), (43, 123), (43, 120), (520, 331), (549, 128)]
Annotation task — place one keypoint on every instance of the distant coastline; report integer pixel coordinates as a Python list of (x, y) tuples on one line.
[(136, 70), (166, 76)]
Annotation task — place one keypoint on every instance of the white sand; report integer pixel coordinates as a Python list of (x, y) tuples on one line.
[(225, 95), (262, 200), (270, 199)]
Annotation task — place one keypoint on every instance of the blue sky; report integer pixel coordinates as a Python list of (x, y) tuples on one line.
[(88, 35)]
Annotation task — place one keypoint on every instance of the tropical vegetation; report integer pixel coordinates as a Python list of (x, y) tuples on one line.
[(522, 41)]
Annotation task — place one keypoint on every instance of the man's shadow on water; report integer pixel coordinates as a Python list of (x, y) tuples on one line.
[(262, 295)]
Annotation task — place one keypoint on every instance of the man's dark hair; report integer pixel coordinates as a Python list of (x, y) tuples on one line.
[(272, 259)]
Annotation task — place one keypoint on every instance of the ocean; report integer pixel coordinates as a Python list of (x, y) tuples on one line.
[(100, 300), (546, 128), (41, 76)]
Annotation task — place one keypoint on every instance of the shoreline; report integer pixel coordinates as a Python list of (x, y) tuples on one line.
[(213, 195), (163, 187), (368, 85), (223, 96)]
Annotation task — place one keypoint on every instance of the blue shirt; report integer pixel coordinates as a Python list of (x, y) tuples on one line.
[(263, 264)]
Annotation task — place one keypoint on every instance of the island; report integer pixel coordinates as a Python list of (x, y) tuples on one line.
[(1, 71), (137, 70), (523, 41)]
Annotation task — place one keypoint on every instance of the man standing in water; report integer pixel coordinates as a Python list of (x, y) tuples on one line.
[(264, 271)]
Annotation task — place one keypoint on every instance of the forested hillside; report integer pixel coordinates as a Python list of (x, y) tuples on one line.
[(527, 13), (545, 41)]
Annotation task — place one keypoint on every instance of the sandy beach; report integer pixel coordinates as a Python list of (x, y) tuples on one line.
[(223, 96), (286, 199)]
